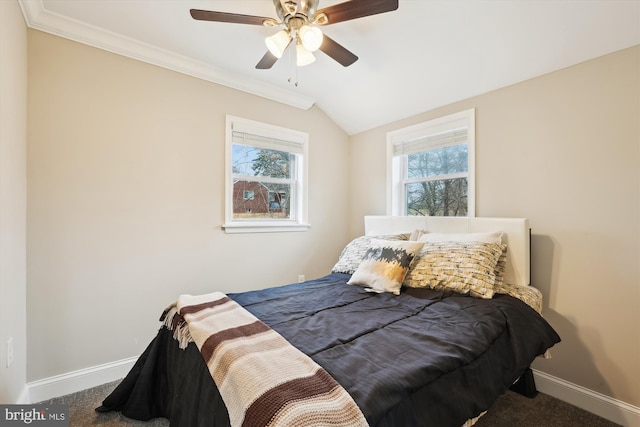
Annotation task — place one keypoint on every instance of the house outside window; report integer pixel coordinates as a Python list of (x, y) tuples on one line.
[(431, 167), (266, 177)]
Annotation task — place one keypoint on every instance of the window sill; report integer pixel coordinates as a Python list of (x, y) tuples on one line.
[(249, 227)]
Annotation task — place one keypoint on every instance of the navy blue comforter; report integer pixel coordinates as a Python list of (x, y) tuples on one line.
[(423, 358)]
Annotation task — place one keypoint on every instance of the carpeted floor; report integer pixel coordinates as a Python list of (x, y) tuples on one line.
[(514, 410), (510, 410)]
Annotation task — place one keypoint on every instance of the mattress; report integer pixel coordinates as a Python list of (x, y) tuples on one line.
[(421, 358)]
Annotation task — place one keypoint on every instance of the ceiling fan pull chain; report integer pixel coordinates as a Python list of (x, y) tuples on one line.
[(289, 66), (292, 66)]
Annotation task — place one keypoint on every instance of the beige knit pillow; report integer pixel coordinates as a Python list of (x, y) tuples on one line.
[(486, 237), (463, 267)]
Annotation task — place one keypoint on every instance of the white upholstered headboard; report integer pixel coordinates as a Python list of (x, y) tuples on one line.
[(515, 234)]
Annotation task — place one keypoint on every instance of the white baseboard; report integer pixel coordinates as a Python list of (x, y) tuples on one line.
[(597, 403), (23, 399), (82, 379)]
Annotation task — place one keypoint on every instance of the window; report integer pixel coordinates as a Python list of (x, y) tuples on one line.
[(265, 177), (431, 167)]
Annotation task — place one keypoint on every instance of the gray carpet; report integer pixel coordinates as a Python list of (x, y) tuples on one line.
[(510, 410)]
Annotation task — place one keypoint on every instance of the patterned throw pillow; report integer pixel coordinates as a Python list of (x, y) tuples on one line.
[(385, 265), (527, 294), (501, 266), (486, 237), (463, 267), (352, 254)]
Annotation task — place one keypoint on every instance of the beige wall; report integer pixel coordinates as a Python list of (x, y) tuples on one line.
[(125, 173), (563, 151), (13, 198), (126, 185)]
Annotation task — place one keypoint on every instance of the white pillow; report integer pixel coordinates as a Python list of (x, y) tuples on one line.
[(415, 234), (489, 237)]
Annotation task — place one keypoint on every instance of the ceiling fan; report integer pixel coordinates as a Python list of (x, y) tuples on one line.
[(301, 19)]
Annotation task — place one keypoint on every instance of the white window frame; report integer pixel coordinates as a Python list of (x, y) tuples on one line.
[(396, 203), (297, 139)]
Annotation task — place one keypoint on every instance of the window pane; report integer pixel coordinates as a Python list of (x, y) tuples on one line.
[(255, 161), (446, 197), (269, 201), (438, 161)]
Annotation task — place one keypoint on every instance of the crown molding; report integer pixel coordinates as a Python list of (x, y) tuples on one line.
[(39, 18)]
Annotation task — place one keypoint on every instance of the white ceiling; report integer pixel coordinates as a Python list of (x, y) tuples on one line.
[(424, 55)]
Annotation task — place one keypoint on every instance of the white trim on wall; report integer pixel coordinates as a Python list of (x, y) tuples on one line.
[(82, 379), (597, 403), (23, 399), (39, 18)]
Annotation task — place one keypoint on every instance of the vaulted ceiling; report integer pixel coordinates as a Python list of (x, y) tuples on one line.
[(426, 54)]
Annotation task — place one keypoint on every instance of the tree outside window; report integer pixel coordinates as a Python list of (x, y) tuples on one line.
[(266, 178), (432, 167), (266, 175)]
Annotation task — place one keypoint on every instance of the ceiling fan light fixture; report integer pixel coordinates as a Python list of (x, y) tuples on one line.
[(303, 56), (311, 37), (301, 19), (278, 42)]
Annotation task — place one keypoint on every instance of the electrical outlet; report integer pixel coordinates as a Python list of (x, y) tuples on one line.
[(9, 351), (300, 278)]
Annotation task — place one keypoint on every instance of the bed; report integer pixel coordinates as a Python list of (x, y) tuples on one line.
[(433, 346)]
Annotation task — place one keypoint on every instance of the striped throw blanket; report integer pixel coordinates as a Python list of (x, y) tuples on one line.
[(263, 380)]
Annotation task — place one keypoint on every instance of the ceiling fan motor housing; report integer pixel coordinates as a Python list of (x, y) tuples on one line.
[(287, 9)]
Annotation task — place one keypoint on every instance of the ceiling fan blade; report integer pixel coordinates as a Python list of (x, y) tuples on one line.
[(234, 18), (357, 9), (337, 51), (267, 61)]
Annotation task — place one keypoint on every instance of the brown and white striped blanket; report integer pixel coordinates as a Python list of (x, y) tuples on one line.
[(263, 380)]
